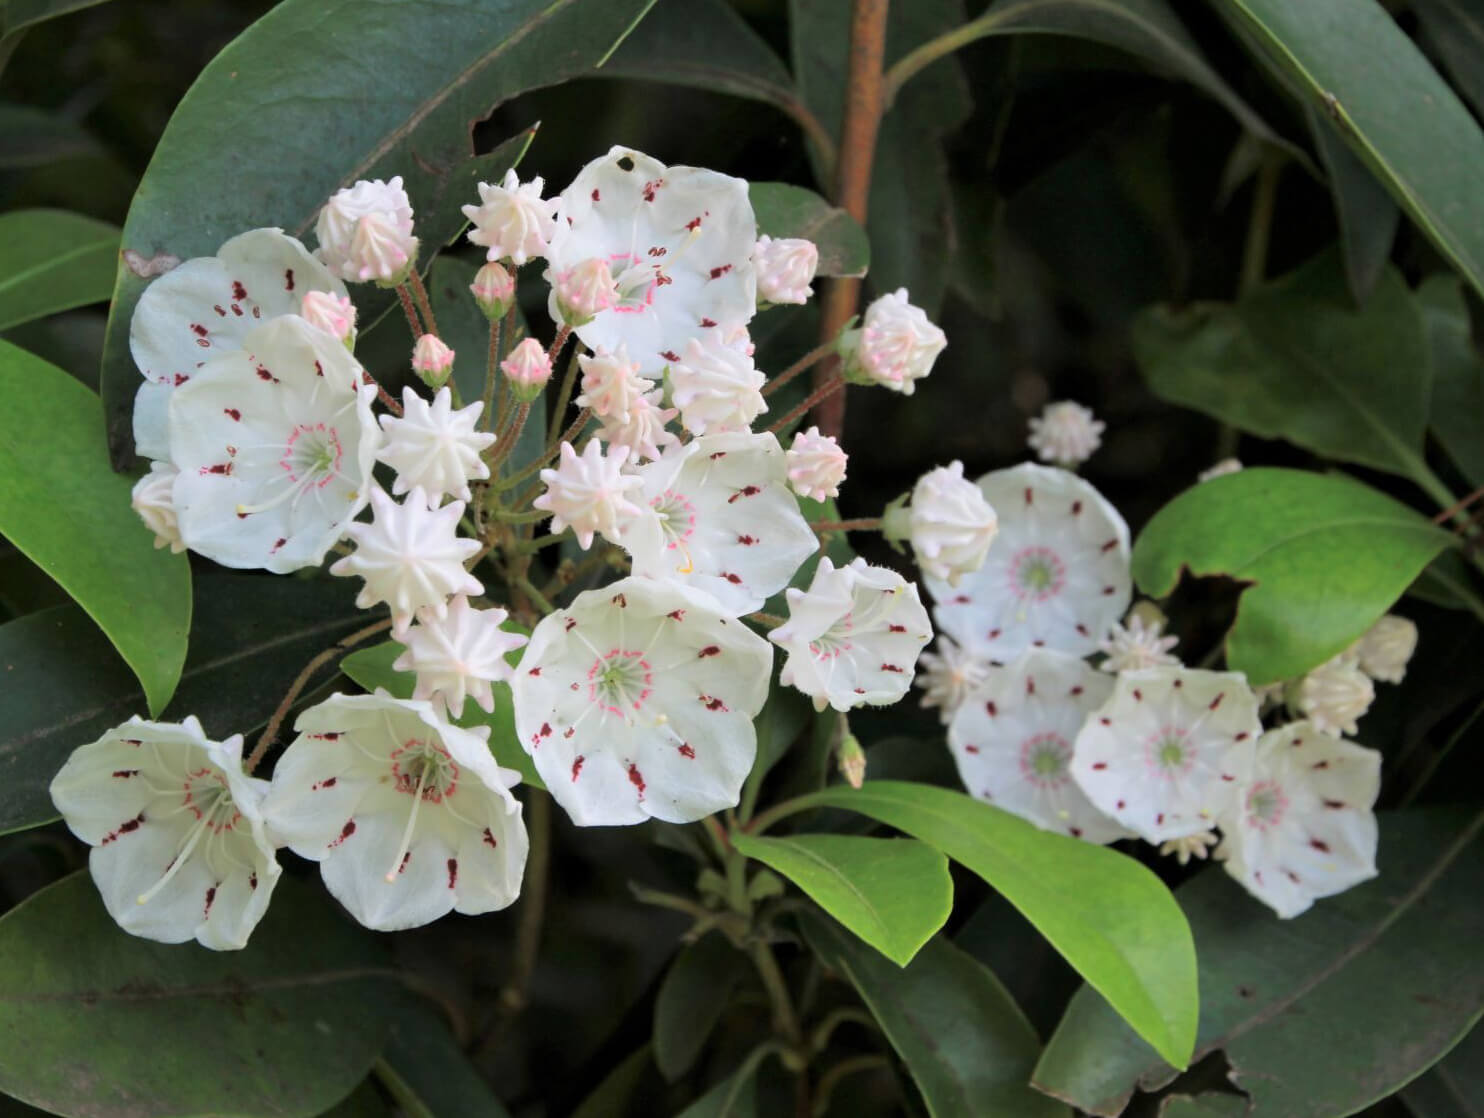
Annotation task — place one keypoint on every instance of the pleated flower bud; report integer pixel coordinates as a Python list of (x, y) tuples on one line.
[(334, 314), (432, 360), (583, 291), (529, 368), (493, 289)]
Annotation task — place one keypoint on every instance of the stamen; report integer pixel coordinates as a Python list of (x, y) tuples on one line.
[(202, 825), (417, 799)]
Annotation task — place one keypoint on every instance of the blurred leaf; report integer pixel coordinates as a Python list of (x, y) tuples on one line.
[(402, 87), (287, 1026), (32, 137), (1454, 1088), (893, 893), (428, 1073), (735, 1096), (17, 15), (1322, 1015), (966, 1043), (1109, 917), (778, 726), (364, 1102), (1212, 1104), (1455, 28), (613, 1095), (1452, 582), (53, 261), (791, 211), (1368, 217), (692, 997), (63, 506), (1457, 374), (1324, 555)]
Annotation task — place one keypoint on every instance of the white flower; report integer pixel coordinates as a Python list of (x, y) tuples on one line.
[(637, 701), (1187, 847), (1135, 644), (816, 465), (1065, 433), (1303, 828), (853, 636), (785, 269), (512, 220), (435, 448), (411, 557), (332, 313), (432, 360), (642, 428), (275, 444), (493, 289), (1335, 694), (1012, 741), (1221, 469), (528, 367), (365, 231), (589, 492), (459, 655), (679, 244), (1386, 648), (948, 522), (895, 346), (179, 847), (1166, 753), (947, 675), (611, 383), (1057, 576), (207, 307), (715, 386), (719, 517), (153, 499), (408, 816)]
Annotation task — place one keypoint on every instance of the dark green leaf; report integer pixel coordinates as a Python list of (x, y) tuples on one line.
[(17, 15), (428, 1073), (735, 1096), (53, 261), (1454, 1088), (1368, 216), (1457, 374), (32, 137), (614, 1094), (791, 211), (1323, 1015), (1212, 1104), (1455, 29), (692, 997), (1326, 556)]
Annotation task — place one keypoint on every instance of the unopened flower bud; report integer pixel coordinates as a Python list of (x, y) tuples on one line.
[(1065, 433), (432, 360), (949, 523), (334, 314), (512, 221), (583, 291), (365, 232), (493, 289), (529, 368), (851, 760), (816, 465), (895, 346), (785, 269)]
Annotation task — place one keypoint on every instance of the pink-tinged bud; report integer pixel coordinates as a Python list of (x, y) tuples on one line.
[(334, 314), (583, 291), (528, 368), (816, 465), (493, 289), (895, 346), (785, 269), (851, 761), (432, 360), (365, 232)]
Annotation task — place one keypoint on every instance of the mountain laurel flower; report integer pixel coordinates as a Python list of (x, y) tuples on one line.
[(1303, 827), (153, 499), (589, 492), (948, 522), (365, 232), (1137, 644), (408, 816), (332, 313), (275, 444), (582, 292), (716, 386), (512, 221), (1336, 694), (1386, 649), (853, 637), (180, 850), (785, 269), (435, 448), (1169, 750), (432, 360), (493, 290), (529, 368), (611, 383), (206, 307), (642, 429), (816, 465), (895, 346), (947, 676), (1221, 469), (637, 701), (459, 656), (1065, 434), (411, 556)]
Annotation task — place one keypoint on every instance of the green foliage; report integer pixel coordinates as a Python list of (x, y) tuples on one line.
[(53, 261), (791, 211), (427, 1072), (693, 996), (1457, 374)]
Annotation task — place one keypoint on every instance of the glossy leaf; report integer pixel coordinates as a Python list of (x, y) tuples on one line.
[(427, 1072), (692, 997), (791, 211), (53, 261), (1454, 1088), (1455, 30), (1211, 1104), (1457, 374), (63, 506), (1110, 918), (1368, 217), (1322, 1015), (892, 893), (286, 1026), (1325, 557)]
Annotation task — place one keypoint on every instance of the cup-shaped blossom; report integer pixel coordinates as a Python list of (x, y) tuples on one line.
[(529, 368), (637, 701), (493, 290), (1167, 752), (785, 268), (435, 448), (582, 291), (458, 656), (590, 493), (180, 850), (1065, 434), (432, 360), (718, 516), (1386, 649), (948, 675), (365, 232), (153, 498), (1303, 826), (275, 444), (512, 221), (716, 386), (948, 522), (1012, 740), (206, 307), (1056, 577), (895, 346), (408, 816), (816, 465), (853, 637), (678, 241)]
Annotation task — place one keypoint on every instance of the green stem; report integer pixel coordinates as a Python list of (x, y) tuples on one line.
[(831, 1078), (914, 62), (785, 1020), (564, 395), (1260, 222), (535, 595), (512, 516)]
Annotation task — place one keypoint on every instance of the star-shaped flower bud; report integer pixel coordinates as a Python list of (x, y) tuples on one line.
[(816, 465), (1336, 694), (949, 524), (642, 428), (589, 493), (611, 383), (434, 448), (493, 290), (852, 637), (1184, 849), (529, 368), (785, 269), (1303, 827), (895, 346), (512, 221), (408, 815), (719, 517), (332, 313), (1056, 577), (365, 232), (459, 655), (1065, 433), (432, 360), (637, 702), (411, 557), (180, 850), (153, 499), (1167, 752), (1386, 649), (716, 386), (206, 307), (948, 675), (1013, 737), (275, 444), (1137, 644)]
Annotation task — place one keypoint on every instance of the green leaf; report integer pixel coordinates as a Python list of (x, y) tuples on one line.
[(614, 1095), (63, 506), (372, 668), (1108, 916), (1325, 556), (1212, 1104), (893, 893), (1457, 374), (405, 80), (427, 1072), (32, 137), (969, 1048), (1368, 217), (791, 211), (286, 1026), (1455, 30), (1454, 1088), (735, 1096), (53, 261), (692, 997), (1323, 1015), (17, 15)]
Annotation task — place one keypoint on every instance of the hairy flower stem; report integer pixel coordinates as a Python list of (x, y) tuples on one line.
[(489, 421), (808, 361), (821, 392), (860, 524), (564, 394), (505, 442), (424, 304), (405, 298)]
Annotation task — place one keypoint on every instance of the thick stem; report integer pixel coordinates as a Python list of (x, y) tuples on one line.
[(808, 361), (533, 901), (821, 392), (424, 304)]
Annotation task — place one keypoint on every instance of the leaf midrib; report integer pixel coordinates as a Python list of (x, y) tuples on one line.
[(51, 263)]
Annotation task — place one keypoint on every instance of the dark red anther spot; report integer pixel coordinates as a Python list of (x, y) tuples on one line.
[(687, 752), (402, 865), (1077, 690), (534, 671), (651, 187), (252, 880), (715, 454), (713, 703), (180, 378), (489, 838), (568, 732), (1138, 695), (707, 323), (577, 766), (620, 601), (233, 413), (1107, 590), (223, 468), (278, 543), (125, 774), (720, 270), (345, 832), (891, 668), (1076, 832), (1228, 777), (288, 279), (745, 491), (545, 731), (676, 615), (1319, 845), (453, 872), (1110, 545), (1105, 721), (636, 778), (971, 749), (1076, 508), (1099, 766), (1081, 628), (1038, 644), (1030, 496), (328, 782), (264, 374), (670, 355), (709, 650), (1320, 765), (1297, 742), (238, 291), (198, 330), (735, 580), (1118, 806), (693, 224), (596, 196), (994, 634), (570, 625), (328, 735), (990, 709), (1030, 685), (1293, 877), (219, 310), (319, 370), (210, 899), (1243, 736), (896, 628), (662, 280), (236, 310), (746, 541), (1334, 805), (1216, 702), (656, 251), (1177, 684), (203, 343), (1159, 819)]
